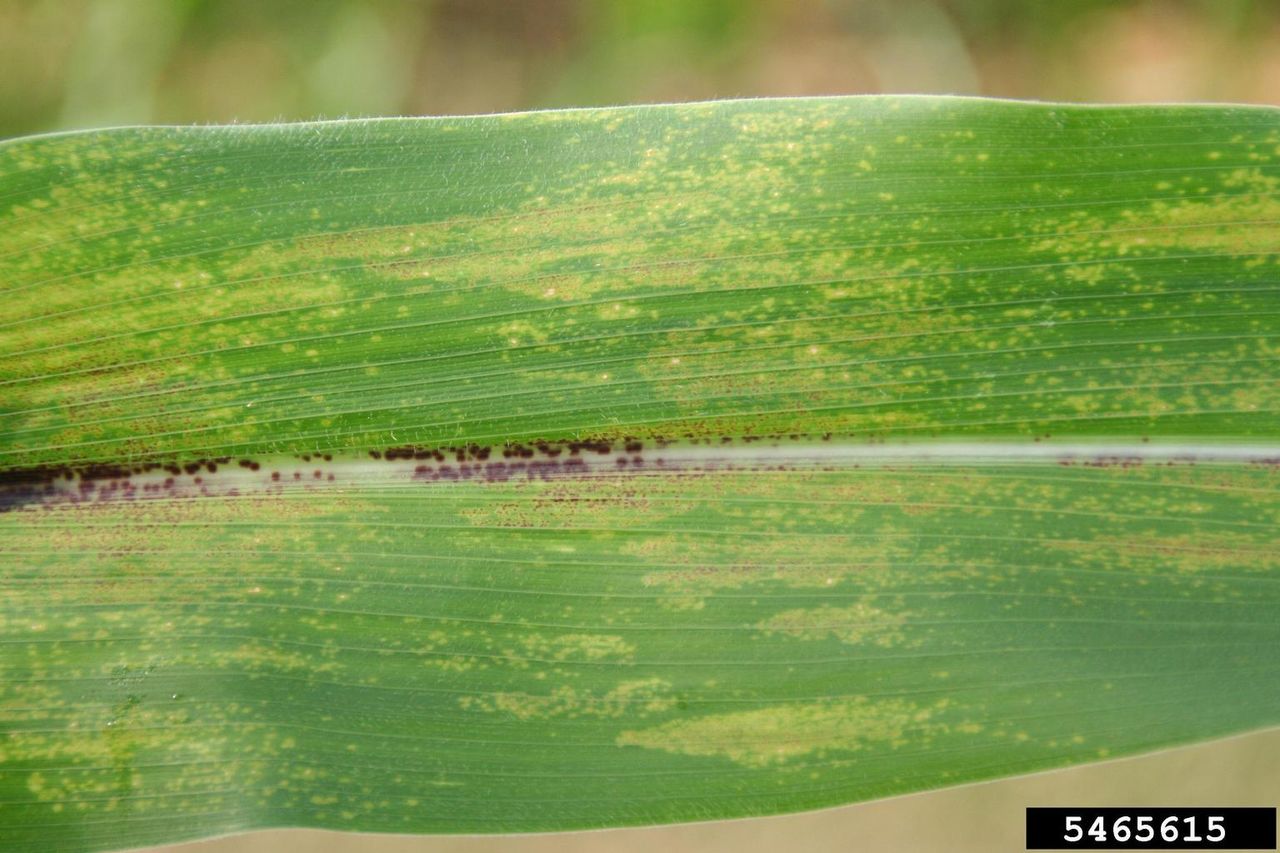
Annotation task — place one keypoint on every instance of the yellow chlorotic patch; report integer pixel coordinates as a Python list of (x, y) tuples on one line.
[(778, 734)]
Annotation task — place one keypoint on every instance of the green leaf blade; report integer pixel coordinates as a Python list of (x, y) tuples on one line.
[(623, 649), (627, 466), (911, 267)]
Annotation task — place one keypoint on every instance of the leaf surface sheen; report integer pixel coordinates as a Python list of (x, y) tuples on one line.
[(612, 467)]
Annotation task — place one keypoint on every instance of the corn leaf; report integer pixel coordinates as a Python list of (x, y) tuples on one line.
[(613, 467)]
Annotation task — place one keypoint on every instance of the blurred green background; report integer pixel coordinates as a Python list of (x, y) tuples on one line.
[(80, 63)]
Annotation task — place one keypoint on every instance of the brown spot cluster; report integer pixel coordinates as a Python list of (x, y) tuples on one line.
[(88, 482), (543, 469), (477, 453), (95, 481), (542, 460), (1123, 461)]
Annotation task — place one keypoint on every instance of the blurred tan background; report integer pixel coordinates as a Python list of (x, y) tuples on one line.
[(81, 63)]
